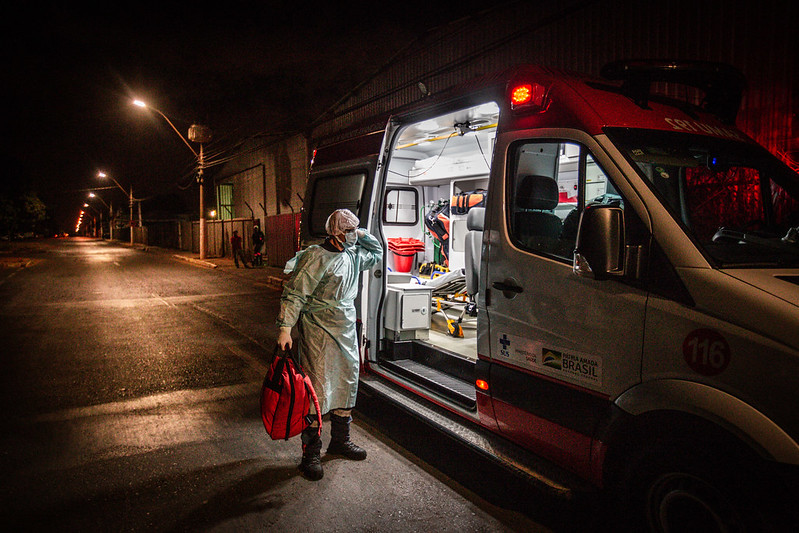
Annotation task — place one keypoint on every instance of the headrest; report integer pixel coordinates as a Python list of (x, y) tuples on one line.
[(537, 192), (475, 220)]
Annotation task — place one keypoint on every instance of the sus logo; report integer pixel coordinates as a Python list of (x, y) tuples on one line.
[(505, 342)]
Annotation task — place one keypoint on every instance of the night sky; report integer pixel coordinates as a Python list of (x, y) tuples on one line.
[(241, 68)]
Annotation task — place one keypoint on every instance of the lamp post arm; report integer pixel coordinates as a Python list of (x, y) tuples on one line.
[(101, 200), (182, 138), (118, 185)]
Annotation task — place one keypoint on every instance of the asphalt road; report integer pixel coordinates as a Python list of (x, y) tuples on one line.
[(129, 402)]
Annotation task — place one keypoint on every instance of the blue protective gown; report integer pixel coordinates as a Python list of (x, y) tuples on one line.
[(320, 295)]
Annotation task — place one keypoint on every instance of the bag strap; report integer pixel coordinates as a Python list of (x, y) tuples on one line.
[(291, 354), (274, 384), (312, 392)]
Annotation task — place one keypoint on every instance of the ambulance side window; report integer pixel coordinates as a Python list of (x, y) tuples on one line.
[(401, 206), (550, 184)]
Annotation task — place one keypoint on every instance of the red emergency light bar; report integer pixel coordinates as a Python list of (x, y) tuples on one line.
[(528, 96)]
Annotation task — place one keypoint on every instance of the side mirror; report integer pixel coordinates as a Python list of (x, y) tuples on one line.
[(599, 252)]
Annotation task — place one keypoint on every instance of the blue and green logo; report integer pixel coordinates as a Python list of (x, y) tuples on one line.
[(552, 359)]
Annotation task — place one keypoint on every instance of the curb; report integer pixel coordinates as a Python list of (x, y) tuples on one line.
[(194, 261)]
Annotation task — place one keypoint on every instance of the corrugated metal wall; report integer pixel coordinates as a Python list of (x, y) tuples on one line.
[(757, 37), (282, 232)]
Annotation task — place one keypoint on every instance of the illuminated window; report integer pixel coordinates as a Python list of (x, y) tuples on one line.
[(224, 201)]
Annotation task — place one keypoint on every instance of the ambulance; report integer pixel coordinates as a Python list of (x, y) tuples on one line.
[(589, 280)]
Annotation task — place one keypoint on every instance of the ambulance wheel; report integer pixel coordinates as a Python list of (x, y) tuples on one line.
[(668, 490), (682, 501)]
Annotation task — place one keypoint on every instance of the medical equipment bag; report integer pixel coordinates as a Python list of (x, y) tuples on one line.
[(462, 202), (286, 397), (437, 222)]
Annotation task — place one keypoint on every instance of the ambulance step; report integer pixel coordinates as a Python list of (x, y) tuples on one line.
[(454, 389), (538, 472)]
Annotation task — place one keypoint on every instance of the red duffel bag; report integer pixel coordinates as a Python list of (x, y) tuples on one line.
[(286, 397)]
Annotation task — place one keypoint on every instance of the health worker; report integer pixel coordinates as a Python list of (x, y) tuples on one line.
[(319, 297)]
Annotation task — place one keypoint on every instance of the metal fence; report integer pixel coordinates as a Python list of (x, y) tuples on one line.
[(282, 236), (281, 233)]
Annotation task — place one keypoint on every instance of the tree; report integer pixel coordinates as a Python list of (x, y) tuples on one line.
[(20, 212), (34, 211)]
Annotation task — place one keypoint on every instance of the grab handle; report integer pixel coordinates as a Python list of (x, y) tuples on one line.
[(508, 287)]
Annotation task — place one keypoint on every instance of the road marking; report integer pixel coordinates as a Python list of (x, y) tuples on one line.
[(133, 302), (155, 401), (229, 324), (159, 297), (259, 366), (7, 277)]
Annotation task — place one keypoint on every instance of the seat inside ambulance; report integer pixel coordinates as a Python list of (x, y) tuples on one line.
[(535, 221)]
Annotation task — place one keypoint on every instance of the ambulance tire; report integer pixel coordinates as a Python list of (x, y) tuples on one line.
[(667, 489)]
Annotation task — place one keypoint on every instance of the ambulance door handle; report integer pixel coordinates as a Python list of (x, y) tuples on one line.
[(508, 287)]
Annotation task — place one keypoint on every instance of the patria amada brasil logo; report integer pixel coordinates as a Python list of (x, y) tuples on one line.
[(552, 359)]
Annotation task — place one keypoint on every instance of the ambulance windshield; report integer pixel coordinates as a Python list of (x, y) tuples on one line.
[(738, 201)]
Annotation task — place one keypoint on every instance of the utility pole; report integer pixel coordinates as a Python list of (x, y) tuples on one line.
[(198, 134), (201, 134)]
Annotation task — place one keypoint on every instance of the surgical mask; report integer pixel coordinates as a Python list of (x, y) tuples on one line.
[(350, 238)]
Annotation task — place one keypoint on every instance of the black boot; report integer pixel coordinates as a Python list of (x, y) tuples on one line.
[(311, 464), (340, 443)]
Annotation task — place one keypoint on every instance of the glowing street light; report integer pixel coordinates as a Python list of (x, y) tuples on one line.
[(199, 134), (104, 175), (87, 206), (110, 216)]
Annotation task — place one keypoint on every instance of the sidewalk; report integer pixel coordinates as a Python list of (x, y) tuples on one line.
[(266, 274)]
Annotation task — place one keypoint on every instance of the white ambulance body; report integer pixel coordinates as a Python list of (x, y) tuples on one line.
[(618, 298)]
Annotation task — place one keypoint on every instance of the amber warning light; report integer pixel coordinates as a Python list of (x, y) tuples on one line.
[(527, 95), (481, 384)]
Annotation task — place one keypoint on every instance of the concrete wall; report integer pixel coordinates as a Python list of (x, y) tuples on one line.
[(268, 177)]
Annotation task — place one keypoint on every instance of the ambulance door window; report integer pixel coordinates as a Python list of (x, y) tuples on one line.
[(334, 192), (551, 183)]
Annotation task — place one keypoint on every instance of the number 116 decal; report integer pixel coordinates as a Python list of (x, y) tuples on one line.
[(706, 352)]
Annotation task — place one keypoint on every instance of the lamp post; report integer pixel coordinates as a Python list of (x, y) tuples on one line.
[(104, 175), (199, 134), (88, 206), (110, 215)]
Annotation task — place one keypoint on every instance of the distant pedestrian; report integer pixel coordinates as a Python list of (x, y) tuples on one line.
[(238, 253), (257, 243)]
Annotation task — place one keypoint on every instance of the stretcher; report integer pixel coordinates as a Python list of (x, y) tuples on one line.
[(449, 291)]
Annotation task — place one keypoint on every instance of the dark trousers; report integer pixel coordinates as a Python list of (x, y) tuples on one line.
[(239, 254)]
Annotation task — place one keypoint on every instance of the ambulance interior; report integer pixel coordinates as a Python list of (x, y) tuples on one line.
[(436, 186), (429, 311)]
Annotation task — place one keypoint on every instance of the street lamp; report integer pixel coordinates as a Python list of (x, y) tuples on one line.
[(110, 216), (86, 205), (199, 134), (104, 175)]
